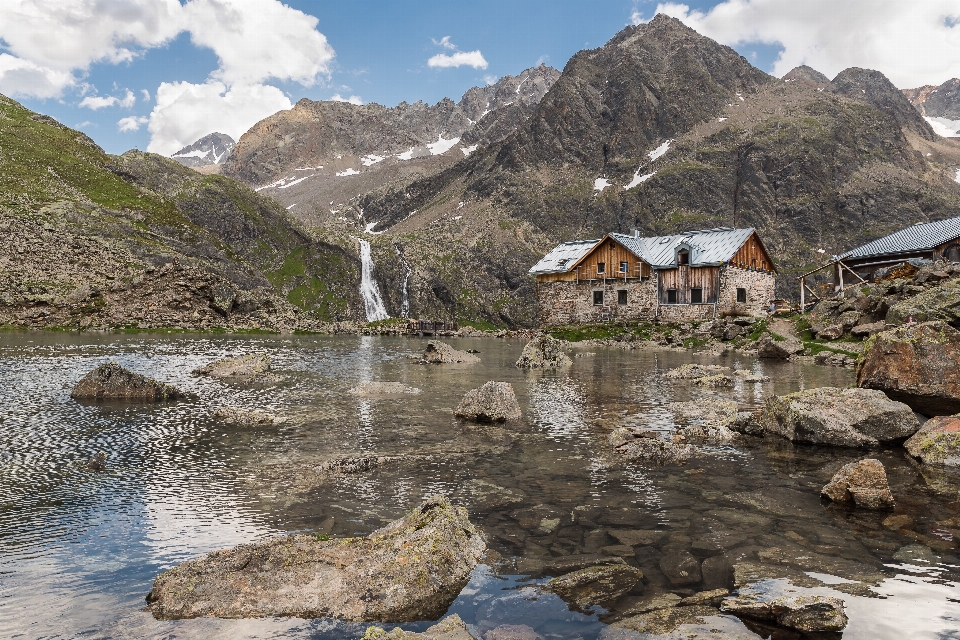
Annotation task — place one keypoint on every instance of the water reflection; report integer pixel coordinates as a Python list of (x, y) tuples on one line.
[(80, 550)]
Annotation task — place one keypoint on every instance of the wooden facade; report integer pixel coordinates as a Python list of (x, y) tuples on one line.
[(677, 286), (752, 255), (606, 262)]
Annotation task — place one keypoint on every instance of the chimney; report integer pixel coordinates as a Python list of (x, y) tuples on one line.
[(636, 233)]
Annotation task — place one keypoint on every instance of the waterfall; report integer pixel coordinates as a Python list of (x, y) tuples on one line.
[(405, 297), (368, 286)]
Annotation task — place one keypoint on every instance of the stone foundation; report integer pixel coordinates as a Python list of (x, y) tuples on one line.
[(571, 302)]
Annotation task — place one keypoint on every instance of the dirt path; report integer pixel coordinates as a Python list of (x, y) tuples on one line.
[(783, 327)]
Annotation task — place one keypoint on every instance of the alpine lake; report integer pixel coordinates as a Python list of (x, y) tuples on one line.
[(80, 550)]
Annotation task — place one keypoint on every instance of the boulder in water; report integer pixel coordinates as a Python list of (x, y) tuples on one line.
[(937, 442), (543, 352), (450, 628), (493, 402), (371, 388), (598, 585), (241, 369), (112, 382), (437, 352), (863, 483), (96, 463), (840, 417), (915, 364), (809, 614), (411, 569), (246, 417)]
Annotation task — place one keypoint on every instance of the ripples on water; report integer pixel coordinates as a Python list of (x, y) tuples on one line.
[(80, 550)]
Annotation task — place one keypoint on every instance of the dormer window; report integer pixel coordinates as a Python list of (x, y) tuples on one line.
[(683, 257)]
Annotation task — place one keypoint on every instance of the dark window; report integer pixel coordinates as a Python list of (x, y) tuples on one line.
[(696, 296), (952, 253), (598, 298), (622, 296), (601, 267), (671, 296), (683, 257), (741, 294), (624, 267)]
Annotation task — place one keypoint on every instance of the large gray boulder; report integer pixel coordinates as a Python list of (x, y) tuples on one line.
[(863, 483), (411, 569), (493, 402), (246, 368), (915, 364), (437, 352), (112, 382), (543, 352), (937, 442), (809, 614), (771, 348), (841, 417)]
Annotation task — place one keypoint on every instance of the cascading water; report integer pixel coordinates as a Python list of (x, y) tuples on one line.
[(405, 296), (368, 286)]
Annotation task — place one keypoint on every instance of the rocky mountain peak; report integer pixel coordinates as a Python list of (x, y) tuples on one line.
[(872, 87), (527, 88), (940, 105), (805, 74), (213, 148)]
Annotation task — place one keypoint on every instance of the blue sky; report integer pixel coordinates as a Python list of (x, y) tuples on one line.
[(159, 73)]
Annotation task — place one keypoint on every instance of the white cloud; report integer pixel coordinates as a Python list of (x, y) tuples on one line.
[(185, 112), (145, 94), (459, 59), (99, 102), (445, 43), (912, 43), (132, 123), (50, 44), (490, 79), (352, 99)]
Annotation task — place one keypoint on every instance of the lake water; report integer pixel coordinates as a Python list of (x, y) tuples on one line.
[(80, 550)]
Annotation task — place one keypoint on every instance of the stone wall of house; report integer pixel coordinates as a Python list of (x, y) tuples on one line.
[(569, 302), (760, 291), (685, 312)]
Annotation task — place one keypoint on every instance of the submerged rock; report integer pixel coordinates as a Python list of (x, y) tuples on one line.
[(694, 371), (112, 382), (411, 569), (915, 364), (841, 417), (512, 632), (247, 368), (809, 614), (706, 420), (599, 585), (96, 463), (863, 483), (437, 352), (658, 622), (681, 568), (543, 352), (493, 402), (648, 445), (370, 388), (718, 381), (450, 628), (770, 347), (749, 377), (937, 442), (246, 417)]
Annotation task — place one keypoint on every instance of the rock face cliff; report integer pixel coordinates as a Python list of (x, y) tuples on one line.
[(93, 240), (939, 105)]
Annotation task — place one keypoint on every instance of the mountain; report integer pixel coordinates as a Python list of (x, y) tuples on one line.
[(211, 149), (91, 239), (940, 106)]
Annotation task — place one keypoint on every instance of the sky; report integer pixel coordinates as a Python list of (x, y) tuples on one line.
[(159, 74)]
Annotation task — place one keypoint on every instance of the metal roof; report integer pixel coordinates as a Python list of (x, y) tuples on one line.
[(708, 247), (563, 257), (919, 237)]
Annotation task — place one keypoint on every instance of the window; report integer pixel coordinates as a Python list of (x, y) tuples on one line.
[(952, 253), (683, 257), (696, 296), (741, 294), (624, 267), (601, 267), (598, 298), (622, 297), (671, 296)]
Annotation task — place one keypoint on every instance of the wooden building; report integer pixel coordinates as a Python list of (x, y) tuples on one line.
[(694, 275)]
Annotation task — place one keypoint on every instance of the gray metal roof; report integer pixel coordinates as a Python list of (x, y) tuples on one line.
[(708, 247), (563, 257), (919, 237)]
